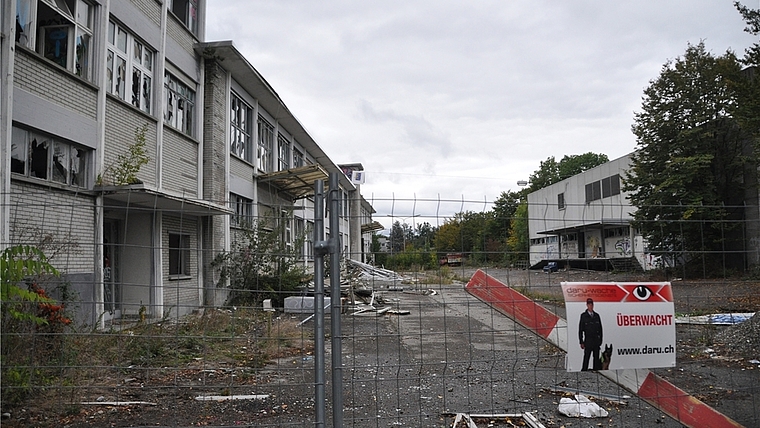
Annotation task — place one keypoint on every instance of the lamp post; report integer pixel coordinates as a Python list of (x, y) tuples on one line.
[(403, 220)]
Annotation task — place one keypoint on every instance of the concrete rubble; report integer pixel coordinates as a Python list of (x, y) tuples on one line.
[(581, 407)]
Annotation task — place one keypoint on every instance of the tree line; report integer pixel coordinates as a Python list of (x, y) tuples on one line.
[(498, 236)]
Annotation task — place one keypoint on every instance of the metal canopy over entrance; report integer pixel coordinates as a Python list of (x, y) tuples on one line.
[(299, 182), (597, 225), (140, 198), (371, 227)]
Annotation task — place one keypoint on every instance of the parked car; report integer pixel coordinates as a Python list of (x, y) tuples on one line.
[(551, 267)]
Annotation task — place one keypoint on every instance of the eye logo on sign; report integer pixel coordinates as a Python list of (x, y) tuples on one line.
[(648, 292), (642, 292)]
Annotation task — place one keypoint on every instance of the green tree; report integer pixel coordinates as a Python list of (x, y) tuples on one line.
[(747, 110), (504, 208), (571, 165), (518, 234), (260, 265), (550, 171), (424, 235), (397, 237), (447, 239), (687, 175), (546, 174)]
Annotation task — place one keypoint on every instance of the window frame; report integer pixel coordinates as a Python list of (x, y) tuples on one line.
[(298, 158), (243, 208), (283, 153), (241, 128), (561, 201), (265, 144), (52, 151), (186, 12), (176, 89), (125, 89), (593, 191), (611, 186), (79, 32), (179, 255)]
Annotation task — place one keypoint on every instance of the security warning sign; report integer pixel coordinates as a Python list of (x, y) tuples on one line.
[(622, 325)]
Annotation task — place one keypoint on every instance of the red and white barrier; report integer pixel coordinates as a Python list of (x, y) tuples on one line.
[(658, 392)]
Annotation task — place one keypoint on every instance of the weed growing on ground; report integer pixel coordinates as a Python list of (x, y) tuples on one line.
[(242, 339)]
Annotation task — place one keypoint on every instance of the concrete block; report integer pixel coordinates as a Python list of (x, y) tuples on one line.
[(302, 304)]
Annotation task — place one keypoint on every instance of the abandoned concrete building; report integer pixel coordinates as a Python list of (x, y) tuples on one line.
[(83, 81)]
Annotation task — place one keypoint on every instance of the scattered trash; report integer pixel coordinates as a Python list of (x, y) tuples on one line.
[(117, 403), (754, 361), (467, 420), (617, 399), (230, 397), (715, 319), (371, 311), (581, 407), (526, 418)]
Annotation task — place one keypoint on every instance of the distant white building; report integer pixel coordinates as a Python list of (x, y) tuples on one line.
[(584, 221)]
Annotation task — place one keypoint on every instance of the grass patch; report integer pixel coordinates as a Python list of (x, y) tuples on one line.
[(539, 295), (240, 341)]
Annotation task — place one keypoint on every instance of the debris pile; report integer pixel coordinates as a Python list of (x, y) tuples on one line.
[(743, 337), (364, 275)]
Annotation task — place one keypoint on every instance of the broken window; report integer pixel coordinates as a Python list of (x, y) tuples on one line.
[(179, 254), (129, 67), (243, 210), (298, 225), (266, 143), (59, 30), (180, 104), (19, 150), (297, 158), (39, 156), (309, 240), (187, 12), (283, 149), (241, 115)]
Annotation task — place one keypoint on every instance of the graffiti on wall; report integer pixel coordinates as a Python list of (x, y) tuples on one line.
[(551, 251), (594, 245), (623, 246)]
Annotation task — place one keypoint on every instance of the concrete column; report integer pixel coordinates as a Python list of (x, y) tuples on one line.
[(355, 224)]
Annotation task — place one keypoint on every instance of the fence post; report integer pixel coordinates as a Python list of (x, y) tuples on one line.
[(320, 249), (335, 247)]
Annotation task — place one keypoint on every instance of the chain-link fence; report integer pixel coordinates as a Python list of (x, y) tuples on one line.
[(171, 316)]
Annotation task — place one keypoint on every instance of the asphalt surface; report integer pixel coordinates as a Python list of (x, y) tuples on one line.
[(453, 353)]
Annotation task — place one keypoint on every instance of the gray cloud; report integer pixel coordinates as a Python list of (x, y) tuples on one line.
[(451, 98)]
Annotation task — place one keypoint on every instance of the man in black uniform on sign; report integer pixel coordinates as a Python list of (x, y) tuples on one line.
[(590, 335)]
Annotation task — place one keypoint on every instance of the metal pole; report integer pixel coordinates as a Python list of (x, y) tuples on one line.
[(335, 247), (320, 247)]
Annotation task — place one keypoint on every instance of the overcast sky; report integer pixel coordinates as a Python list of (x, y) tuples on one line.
[(450, 101)]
